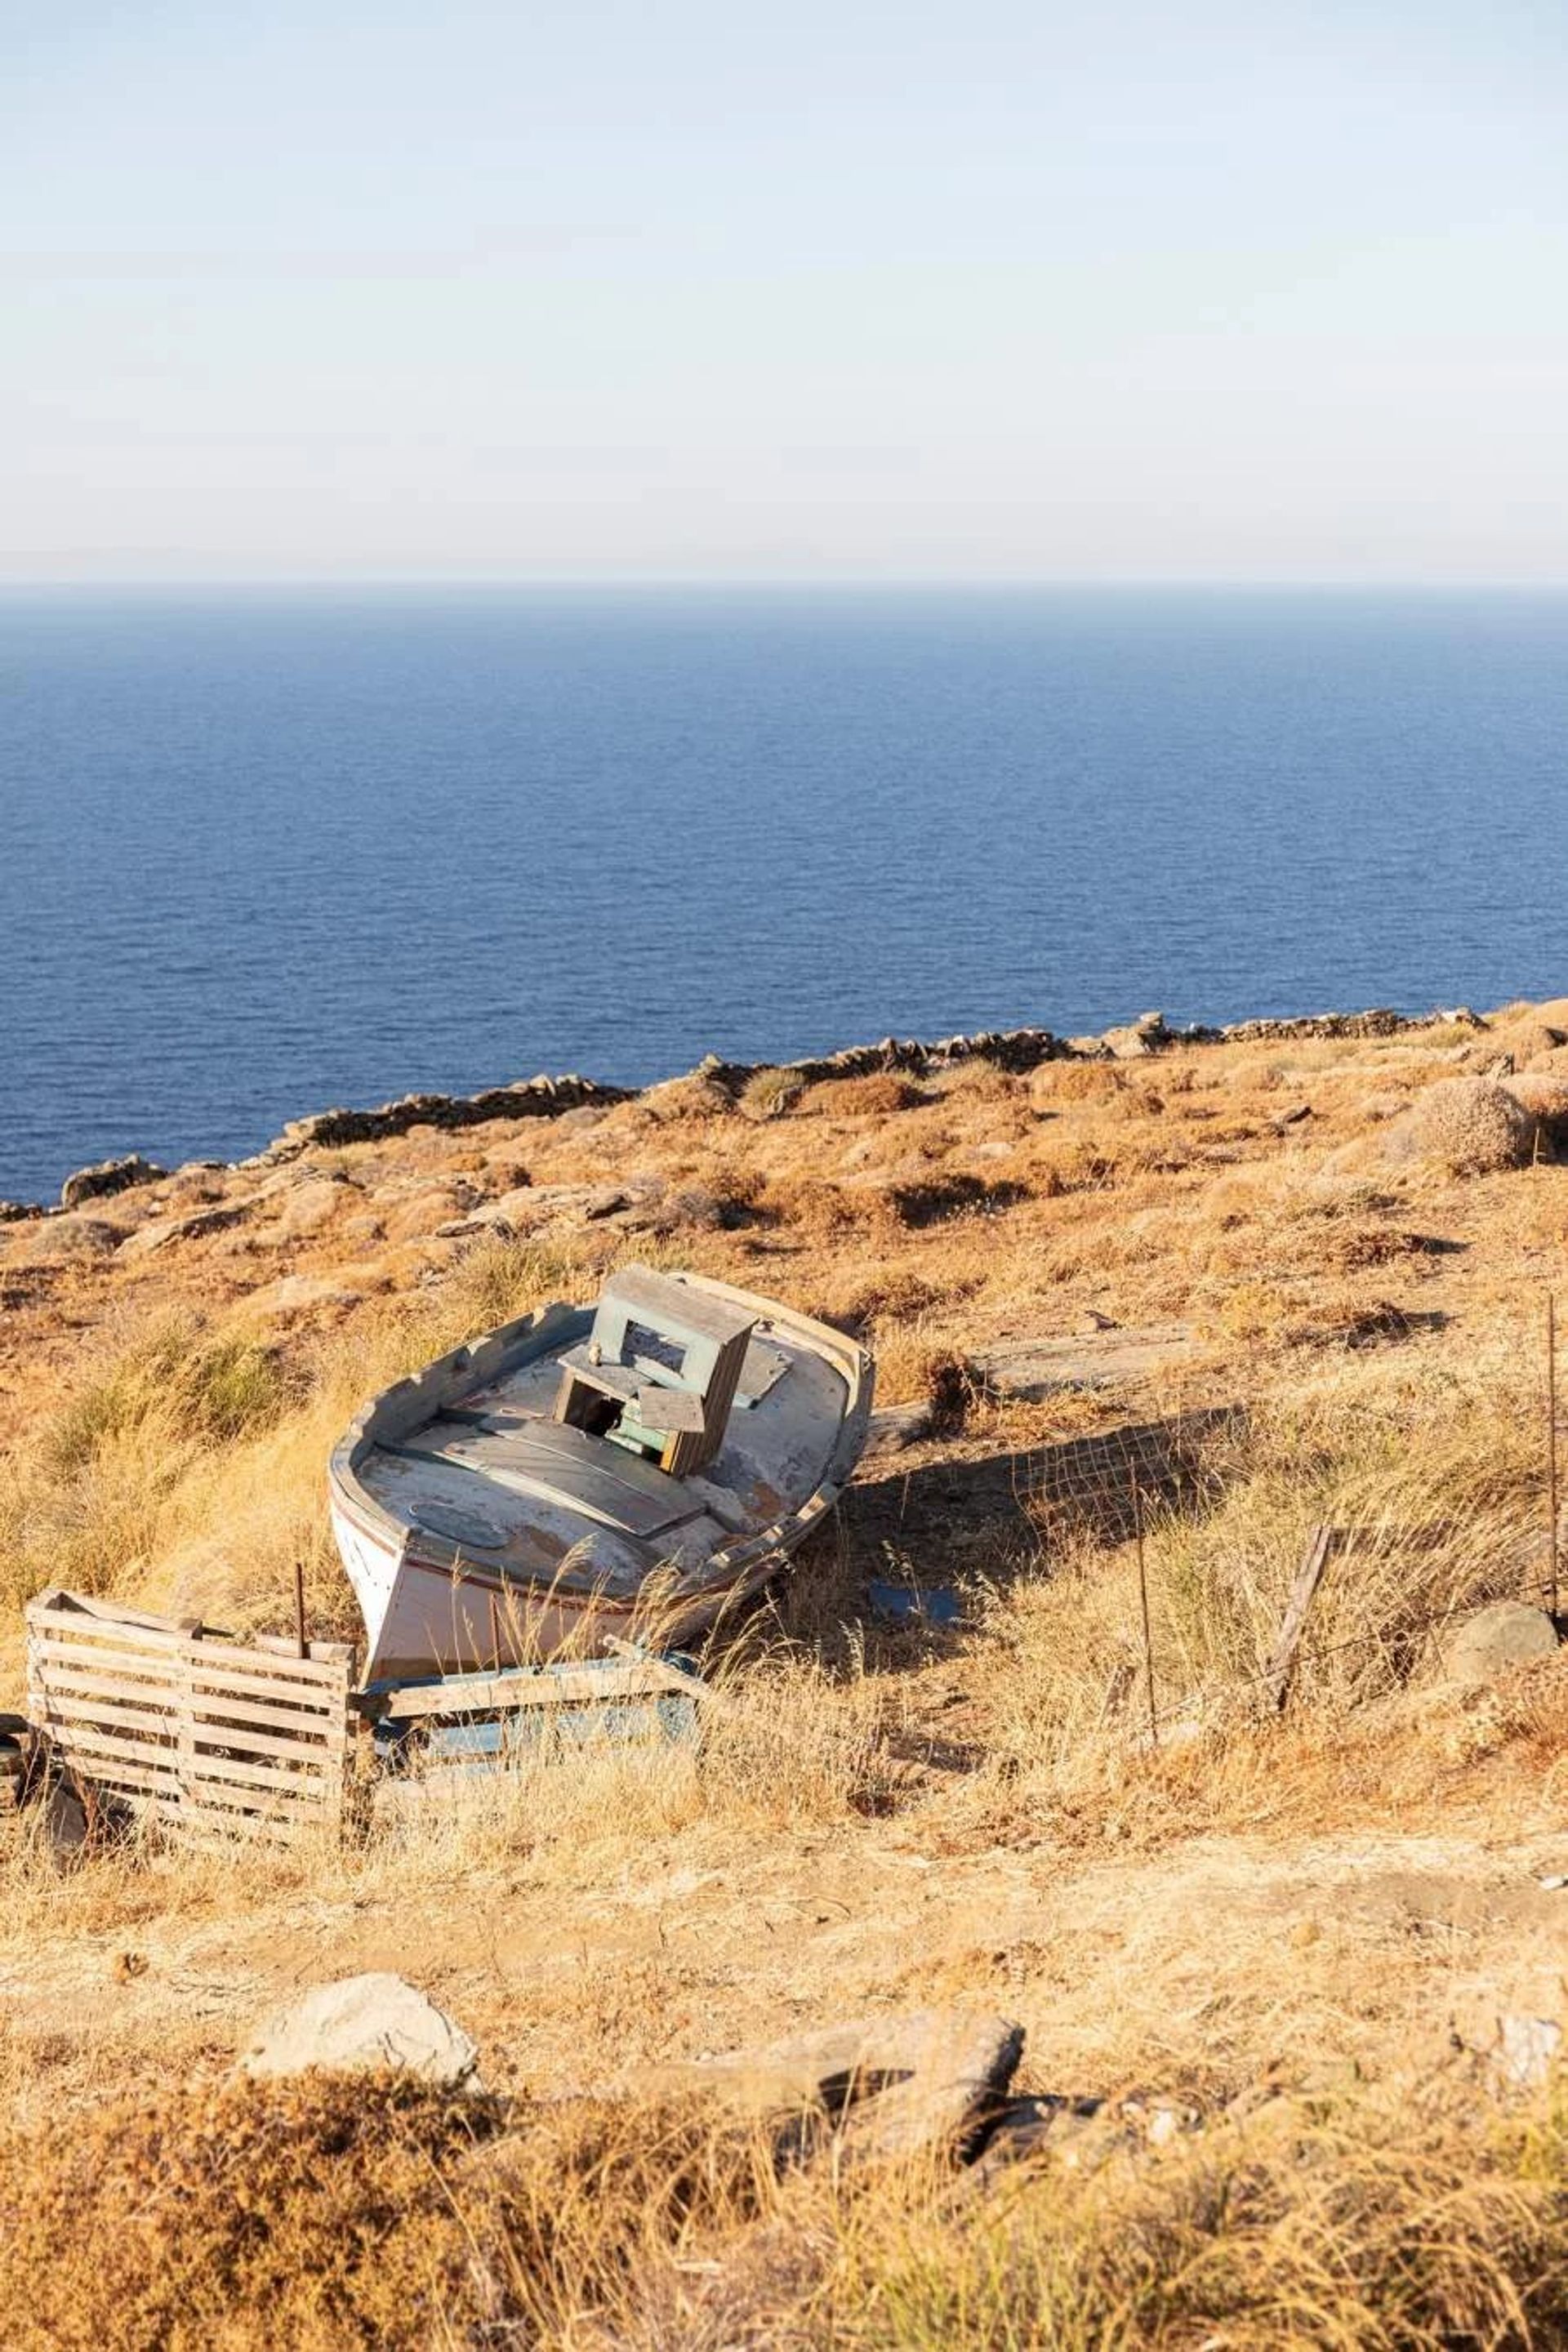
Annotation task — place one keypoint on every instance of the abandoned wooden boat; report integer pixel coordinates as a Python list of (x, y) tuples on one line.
[(627, 1471)]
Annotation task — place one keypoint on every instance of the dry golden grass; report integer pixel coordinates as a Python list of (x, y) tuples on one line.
[(892, 1813), (339, 2214)]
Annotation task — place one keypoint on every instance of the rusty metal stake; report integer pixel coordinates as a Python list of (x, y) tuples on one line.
[(1551, 1443), (1144, 1604), (301, 1643), (495, 1634)]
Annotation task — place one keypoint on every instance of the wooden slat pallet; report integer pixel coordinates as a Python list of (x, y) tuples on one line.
[(211, 1734)]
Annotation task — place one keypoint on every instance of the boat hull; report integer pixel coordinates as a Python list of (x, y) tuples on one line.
[(432, 1607)]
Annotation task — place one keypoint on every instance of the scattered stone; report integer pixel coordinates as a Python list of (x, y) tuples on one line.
[(1526, 2048), (150, 1239), (310, 1205), (361, 2024), (108, 1176), (18, 1212), (1147, 1034), (1490, 1641), (895, 1427), (893, 2087), (1028, 1370), (301, 1294)]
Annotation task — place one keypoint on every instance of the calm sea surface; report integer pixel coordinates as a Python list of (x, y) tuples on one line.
[(260, 853)]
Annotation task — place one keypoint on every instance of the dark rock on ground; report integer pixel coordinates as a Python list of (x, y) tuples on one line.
[(108, 1177)]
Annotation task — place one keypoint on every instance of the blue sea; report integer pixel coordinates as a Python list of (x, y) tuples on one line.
[(261, 852)]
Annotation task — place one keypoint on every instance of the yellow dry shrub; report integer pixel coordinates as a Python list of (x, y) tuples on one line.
[(1469, 1126)]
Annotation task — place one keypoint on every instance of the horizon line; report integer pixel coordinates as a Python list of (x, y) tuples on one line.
[(812, 583)]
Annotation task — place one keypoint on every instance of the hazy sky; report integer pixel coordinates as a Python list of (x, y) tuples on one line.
[(845, 289)]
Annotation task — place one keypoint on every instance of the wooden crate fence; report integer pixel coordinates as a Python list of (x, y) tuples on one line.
[(213, 1735)]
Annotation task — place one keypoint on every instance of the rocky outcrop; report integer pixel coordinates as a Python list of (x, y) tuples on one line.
[(541, 1098), (108, 1177), (720, 1083)]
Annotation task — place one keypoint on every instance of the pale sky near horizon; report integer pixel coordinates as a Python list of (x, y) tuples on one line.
[(1010, 291)]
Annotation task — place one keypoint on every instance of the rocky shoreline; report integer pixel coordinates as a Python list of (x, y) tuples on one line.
[(545, 1096)]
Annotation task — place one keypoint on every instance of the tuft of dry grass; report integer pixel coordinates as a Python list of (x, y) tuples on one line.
[(1470, 1127)]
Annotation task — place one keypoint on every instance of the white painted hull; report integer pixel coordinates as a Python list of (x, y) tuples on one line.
[(432, 1606)]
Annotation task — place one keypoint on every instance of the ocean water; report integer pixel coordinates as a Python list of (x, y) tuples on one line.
[(265, 852)]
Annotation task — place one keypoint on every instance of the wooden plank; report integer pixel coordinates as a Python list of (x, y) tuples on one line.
[(265, 1690), (114, 1734), (136, 1631), (70, 1673), (325, 1674), (69, 1681), (73, 1606), (284, 1645), (269, 1713), (53, 1639), (208, 1766), (489, 1694), (329, 1673), (66, 1625), (246, 1742), (1282, 1662), (108, 1766), (675, 1678), (328, 1729), (262, 1677), (158, 1726), (65, 1697)]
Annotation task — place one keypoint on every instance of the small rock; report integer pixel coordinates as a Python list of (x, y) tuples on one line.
[(63, 1820), (96, 1183), (1147, 1034), (151, 1238), (301, 1294), (1526, 2048), (894, 1426), (1484, 1644), (362, 2024)]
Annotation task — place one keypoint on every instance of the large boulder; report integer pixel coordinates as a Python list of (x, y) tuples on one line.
[(365, 2025), (1478, 1648)]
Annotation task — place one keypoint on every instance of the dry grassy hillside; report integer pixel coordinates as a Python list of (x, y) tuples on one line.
[(1304, 1281)]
